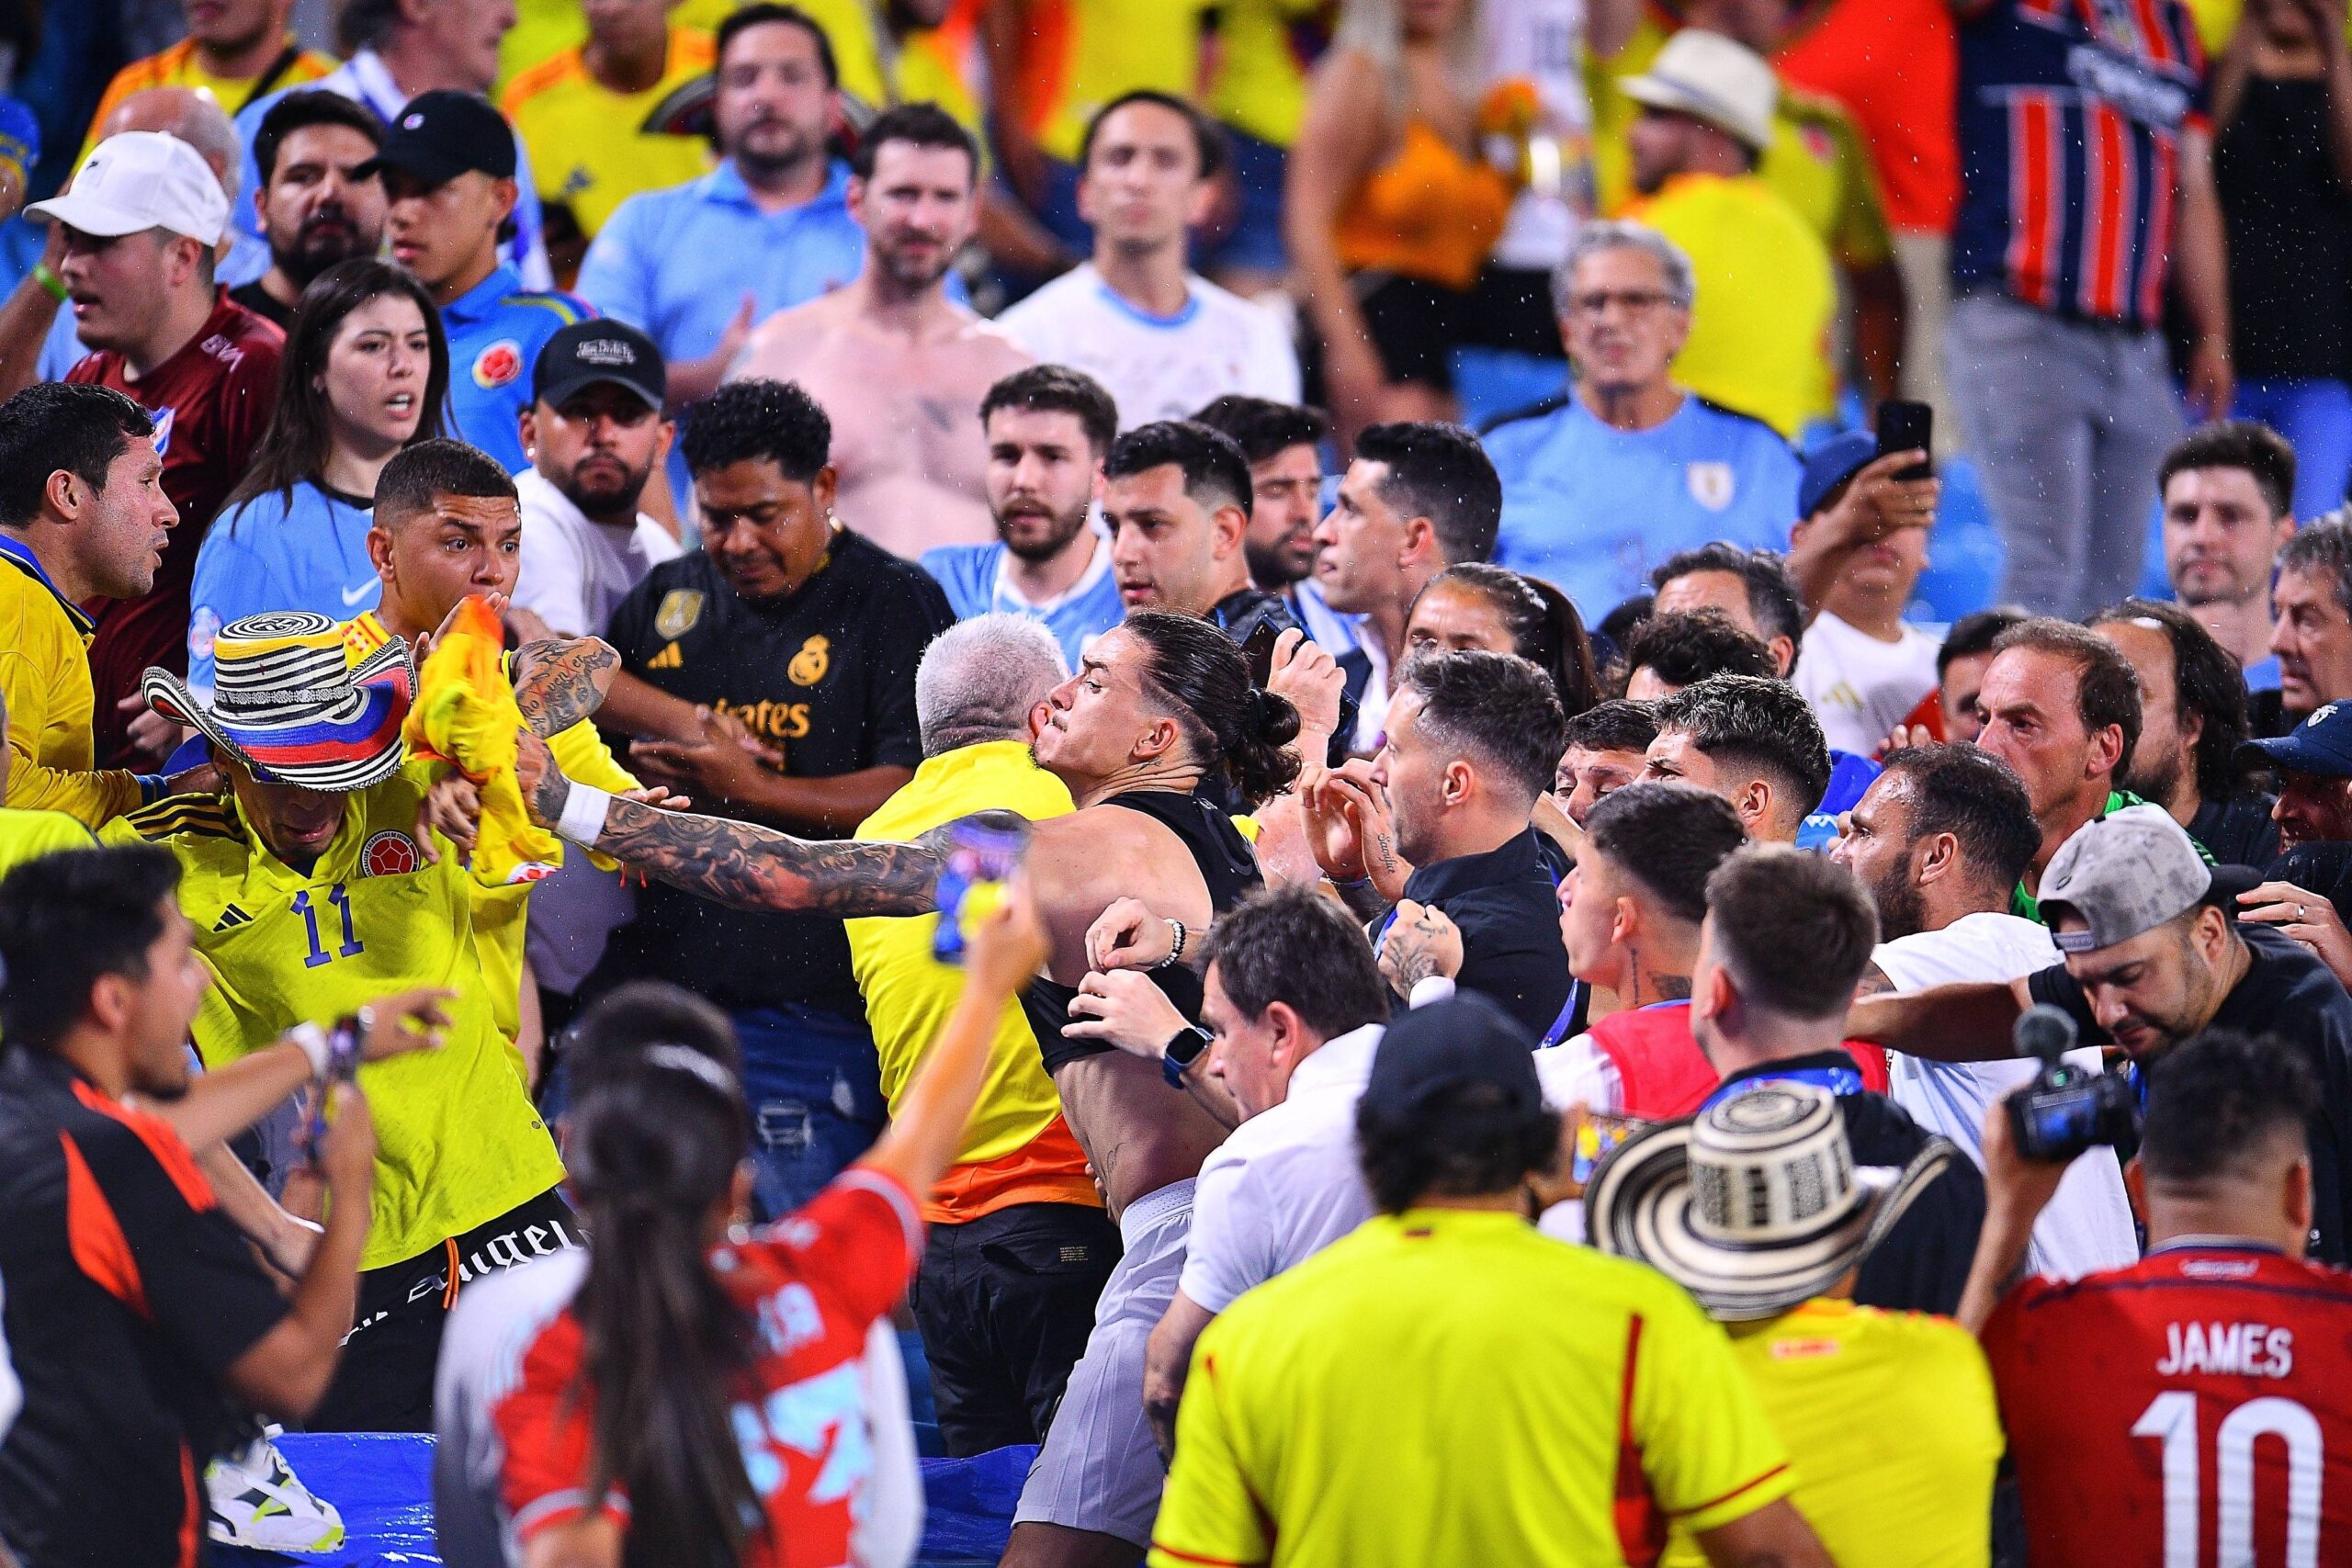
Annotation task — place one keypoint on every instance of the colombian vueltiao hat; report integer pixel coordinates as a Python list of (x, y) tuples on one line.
[(1753, 1205), (289, 702)]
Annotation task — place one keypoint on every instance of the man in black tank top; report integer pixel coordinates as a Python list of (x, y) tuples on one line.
[(1157, 706)]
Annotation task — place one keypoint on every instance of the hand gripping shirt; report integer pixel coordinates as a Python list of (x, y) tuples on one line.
[(458, 1141)]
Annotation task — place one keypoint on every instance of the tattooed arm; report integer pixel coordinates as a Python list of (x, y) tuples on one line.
[(754, 868), (561, 680)]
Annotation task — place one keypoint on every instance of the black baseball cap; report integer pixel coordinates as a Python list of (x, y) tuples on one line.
[(599, 350), (442, 134), (1465, 1039)]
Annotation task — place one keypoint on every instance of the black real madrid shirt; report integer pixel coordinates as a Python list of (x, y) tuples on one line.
[(826, 676)]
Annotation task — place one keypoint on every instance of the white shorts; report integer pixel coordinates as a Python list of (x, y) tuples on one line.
[(1099, 1469)]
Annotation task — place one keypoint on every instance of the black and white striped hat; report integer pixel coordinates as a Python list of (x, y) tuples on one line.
[(1753, 1205)]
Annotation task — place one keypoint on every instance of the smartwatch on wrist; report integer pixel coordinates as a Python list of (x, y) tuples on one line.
[(1185, 1048)]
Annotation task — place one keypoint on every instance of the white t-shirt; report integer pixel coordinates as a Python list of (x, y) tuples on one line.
[(2088, 1224), (1860, 687), (573, 571), (1286, 1184), (1158, 366), (1541, 42)]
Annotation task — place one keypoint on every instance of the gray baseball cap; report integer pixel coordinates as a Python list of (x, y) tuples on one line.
[(2129, 871)]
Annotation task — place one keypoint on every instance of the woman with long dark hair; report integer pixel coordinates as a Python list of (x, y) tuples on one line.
[(701, 1402), (1496, 610), (366, 373)]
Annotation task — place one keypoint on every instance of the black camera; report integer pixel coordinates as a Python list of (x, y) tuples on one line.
[(2066, 1109)]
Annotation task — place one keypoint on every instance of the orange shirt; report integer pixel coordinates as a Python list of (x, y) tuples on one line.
[(1429, 212), (1895, 65)]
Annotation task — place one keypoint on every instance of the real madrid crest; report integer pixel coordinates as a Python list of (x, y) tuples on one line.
[(808, 665), (680, 609)]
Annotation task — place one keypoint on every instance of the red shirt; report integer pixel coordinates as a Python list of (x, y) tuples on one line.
[(1895, 63), (815, 1283), (212, 401), (2195, 1408)]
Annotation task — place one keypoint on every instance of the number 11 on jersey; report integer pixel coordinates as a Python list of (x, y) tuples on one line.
[(339, 897)]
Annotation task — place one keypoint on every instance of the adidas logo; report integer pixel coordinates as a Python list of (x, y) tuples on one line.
[(232, 916), (668, 658)]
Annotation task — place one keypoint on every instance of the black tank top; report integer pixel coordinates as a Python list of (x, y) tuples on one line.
[(1229, 868)]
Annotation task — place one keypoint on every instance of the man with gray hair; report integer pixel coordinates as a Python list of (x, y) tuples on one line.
[(2312, 602), (1607, 479), (1018, 1247)]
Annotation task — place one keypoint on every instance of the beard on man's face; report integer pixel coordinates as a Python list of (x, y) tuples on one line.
[(1902, 908), (327, 237), (1034, 533), (2154, 778)]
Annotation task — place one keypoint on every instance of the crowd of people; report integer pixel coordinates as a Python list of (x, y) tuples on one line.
[(724, 721)]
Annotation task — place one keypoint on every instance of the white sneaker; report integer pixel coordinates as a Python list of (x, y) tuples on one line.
[(255, 1500)]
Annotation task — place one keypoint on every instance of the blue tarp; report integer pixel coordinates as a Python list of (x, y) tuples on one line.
[(383, 1485)]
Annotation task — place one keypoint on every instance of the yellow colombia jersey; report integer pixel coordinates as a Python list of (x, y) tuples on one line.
[(1077, 55), (1448, 1386), (28, 835), (458, 1141), (1016, 1148), (1818, 161), (932, 66), (1820, 167), (1259, 87), (1839, 1382), (501, 913), (45, 678), (588, 146), (178, 67), (1759, 331)]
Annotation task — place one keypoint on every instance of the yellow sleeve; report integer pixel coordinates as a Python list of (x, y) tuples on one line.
[(1862, 238), (89, 798), (1710, 1454), (585, 758), (1208, 1514)]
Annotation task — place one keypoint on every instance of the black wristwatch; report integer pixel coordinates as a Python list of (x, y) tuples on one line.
[(1185, 1048)]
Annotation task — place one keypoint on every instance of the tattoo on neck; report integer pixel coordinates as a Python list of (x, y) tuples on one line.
[(1672, 987)]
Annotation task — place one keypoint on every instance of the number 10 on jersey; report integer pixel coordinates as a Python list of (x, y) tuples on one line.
[(340, 898)]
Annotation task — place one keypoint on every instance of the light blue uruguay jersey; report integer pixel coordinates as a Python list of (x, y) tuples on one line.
[(976, 584), (302, 550), (1592, 509), (496, 330)]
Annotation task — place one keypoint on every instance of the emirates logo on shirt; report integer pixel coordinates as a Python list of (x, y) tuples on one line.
[(498, 364)]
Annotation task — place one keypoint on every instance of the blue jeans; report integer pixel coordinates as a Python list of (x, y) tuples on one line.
[(816, 1092), (2315, 416)]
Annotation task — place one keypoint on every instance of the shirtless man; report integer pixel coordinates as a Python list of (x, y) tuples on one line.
[(1158, 703), (897, 365)]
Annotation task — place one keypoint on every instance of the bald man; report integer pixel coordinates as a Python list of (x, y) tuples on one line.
[(38, 340)]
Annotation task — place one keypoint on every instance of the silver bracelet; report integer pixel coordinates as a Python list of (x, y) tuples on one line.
[(583, 821)]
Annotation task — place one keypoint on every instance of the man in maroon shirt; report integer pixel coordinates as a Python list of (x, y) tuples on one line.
[(142, 223)]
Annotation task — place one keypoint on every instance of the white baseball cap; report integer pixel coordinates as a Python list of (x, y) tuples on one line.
[(140, 180), (1714, 79)]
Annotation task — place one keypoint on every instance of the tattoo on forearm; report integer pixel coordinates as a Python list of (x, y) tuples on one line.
[(562, 686), (754, 868), (1873, 982)]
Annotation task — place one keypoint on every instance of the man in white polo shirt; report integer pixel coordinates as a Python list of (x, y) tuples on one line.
[(1940, 838), (1295, 1007)]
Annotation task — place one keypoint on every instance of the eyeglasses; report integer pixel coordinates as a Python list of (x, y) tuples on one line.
[(1637, 302)]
